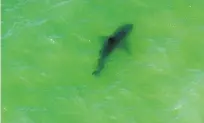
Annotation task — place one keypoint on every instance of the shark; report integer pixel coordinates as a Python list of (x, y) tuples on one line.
[(110, 43)]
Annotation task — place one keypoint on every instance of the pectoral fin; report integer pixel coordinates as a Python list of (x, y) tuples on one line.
[(103, 38), (123, 45)]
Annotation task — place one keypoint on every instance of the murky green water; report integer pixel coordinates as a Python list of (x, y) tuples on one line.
[(50, 49)]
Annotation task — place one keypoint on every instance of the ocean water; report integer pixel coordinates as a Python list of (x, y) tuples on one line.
[(50, 48)]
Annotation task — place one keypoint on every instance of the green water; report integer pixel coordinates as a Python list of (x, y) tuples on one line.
[(50, 48)]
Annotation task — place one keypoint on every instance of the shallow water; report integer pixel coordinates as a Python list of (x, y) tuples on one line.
[(50, 49)]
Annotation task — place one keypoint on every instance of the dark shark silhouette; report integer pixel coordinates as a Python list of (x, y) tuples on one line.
[(111, 43)]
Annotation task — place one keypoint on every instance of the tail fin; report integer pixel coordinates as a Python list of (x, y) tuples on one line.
[(99, 68), (96, 73)]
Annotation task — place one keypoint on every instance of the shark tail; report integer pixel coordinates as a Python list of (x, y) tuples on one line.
[(100, 67), (96, 73)]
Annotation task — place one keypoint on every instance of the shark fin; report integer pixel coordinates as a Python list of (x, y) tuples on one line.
[(124, 46), (103, 38)]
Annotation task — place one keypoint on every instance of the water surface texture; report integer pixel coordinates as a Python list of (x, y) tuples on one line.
[(50, 48)]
